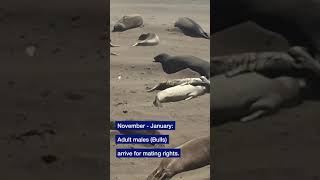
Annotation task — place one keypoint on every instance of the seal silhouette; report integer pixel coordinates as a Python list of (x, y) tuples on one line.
[(147, 39), (190, 28), (128, 22), (174, 82), (295, 62), (194, 154), (248, 96), (173, 64), (179, 93)]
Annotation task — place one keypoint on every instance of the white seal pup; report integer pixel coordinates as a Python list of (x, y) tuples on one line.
[(179, 93), (191, 28)]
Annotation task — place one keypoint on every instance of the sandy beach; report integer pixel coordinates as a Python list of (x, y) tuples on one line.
[(128, 96)]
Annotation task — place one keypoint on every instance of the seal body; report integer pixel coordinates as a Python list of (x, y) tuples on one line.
[(175, 82), (296, 62), (128, 22), (249, 96), (191, 28), (179, 93), (148, 39), (194, 154), (286, 17), (173, 64)]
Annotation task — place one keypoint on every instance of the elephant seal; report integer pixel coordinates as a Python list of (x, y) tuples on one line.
[(190, 28), (179, 93), (194, 154), (173, 64), (113, 45), (128, 22), (251, 95), (171, 83), (295, 62), (147, 39)]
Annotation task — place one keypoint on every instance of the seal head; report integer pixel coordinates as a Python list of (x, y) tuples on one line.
[(144, 36), (161, 58), (118, 27)]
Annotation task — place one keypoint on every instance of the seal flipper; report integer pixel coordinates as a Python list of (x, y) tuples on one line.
[(188, 98), (157, 102), (153, 88), (205, 35), (253, 116), (159, 174), (160, 86), (136, 44), (262, 107)]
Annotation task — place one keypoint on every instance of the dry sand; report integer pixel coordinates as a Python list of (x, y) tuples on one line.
[(129, 99)]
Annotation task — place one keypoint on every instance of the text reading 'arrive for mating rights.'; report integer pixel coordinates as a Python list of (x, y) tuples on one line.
[(145, 139)]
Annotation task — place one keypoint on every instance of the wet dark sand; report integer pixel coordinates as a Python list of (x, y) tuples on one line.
[(53, 105)]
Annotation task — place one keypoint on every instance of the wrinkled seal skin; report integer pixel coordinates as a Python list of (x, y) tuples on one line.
[(297, 20), (128, 22), (191, 28), (194, 154), (173, 64), (296, 62), (148, 39), (249, 96)]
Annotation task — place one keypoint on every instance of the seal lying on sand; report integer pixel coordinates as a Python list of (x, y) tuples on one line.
[(296, 62), (173, 64), (128, 22), (194, 154), (251, 95), (191, 28), (179, 93), (148, 39), (170, 83)]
